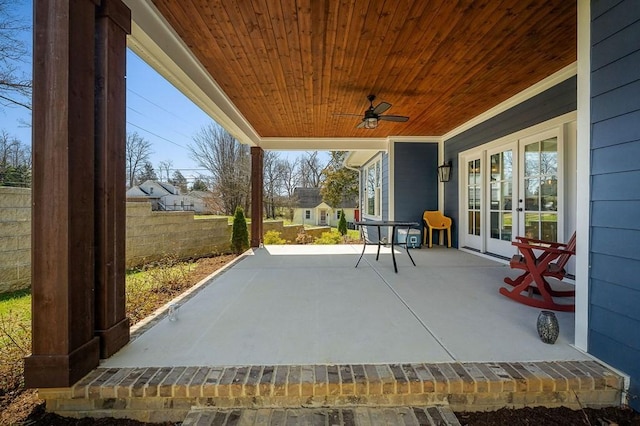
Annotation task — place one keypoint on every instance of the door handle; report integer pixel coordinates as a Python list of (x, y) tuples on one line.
[(519, 209)]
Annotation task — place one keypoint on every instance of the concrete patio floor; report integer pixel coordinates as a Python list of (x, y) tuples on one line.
[(293, 305)]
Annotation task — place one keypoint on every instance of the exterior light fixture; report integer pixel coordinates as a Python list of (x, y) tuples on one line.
[(370, 123), (444, 172)]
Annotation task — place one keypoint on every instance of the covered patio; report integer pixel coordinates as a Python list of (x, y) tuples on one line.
[(295, 305), (298, 329)]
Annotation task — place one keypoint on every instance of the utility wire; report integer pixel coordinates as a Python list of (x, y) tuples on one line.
[(159, 106), (156, 135)]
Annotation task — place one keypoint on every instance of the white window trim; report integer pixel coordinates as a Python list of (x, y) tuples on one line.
[(377, 192)]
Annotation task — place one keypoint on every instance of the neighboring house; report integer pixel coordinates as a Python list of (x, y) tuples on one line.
[(310, 209), (205, 202), (167, 197)]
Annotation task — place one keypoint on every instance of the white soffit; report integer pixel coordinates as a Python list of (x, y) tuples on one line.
[(157, 44)]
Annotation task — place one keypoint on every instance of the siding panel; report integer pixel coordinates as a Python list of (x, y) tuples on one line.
[(614, 297), (618, 16), (624, 243), (615, 270), (615, 74), (616, 214), (615, 186), (616, 158), (626, 360), (416, 180), (616, 102), (618, 45), (617, 327)]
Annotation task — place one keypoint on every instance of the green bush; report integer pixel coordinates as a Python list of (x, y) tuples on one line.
[(239, 233), (331, 237), (274, 237), (342, 224)]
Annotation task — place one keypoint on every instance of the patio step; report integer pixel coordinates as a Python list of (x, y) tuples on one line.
[(170, 393), (359, 416)]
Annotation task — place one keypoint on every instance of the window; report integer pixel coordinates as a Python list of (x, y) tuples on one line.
[(372, 188), (338, 214), (307, 214)]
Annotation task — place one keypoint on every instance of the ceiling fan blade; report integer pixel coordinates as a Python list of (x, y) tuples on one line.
[(400, 118), (382, 107), (344, 113), (361, 125)]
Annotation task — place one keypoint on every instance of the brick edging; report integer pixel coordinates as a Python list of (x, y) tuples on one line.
[(462, 386)]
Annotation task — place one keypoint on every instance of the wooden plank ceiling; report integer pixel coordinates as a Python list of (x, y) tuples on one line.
[(291, 66)]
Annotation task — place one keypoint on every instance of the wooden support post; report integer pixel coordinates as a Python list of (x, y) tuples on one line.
[(113, 23), (64, 345), (257, 159)]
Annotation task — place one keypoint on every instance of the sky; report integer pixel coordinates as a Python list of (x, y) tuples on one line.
[(155, 110)]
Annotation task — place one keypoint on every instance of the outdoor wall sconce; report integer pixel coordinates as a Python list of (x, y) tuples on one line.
[(444, 172)]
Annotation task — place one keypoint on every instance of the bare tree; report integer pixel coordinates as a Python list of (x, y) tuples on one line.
[(290, 175), (164, 167), (138, 151), (15, 84), (311, 170), (15, 162), (229, 163), (272, 181)]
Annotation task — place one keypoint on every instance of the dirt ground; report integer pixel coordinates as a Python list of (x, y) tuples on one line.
[(27, 409)]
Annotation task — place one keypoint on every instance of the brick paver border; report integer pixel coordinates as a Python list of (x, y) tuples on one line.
[(169, 393)]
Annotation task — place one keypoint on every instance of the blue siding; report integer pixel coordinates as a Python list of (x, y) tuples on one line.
[(614, 283), (416, 180), (554, 102)]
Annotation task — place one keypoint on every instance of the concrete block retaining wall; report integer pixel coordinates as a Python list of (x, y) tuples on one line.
[(151, 235), (15, 239)]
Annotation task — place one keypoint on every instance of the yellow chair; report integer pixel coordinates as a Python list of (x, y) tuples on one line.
[(436, 220)]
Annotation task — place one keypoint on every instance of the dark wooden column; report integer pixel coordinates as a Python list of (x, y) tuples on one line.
[(64, 345), (257, 159), (113, 23)]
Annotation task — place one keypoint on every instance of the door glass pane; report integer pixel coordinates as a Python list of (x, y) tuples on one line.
[(495, 167), (470, 221), (532, 225), (549, 157), (549, 227), (495, 225), (507, 165), (495, 196), (471, 201), (549, 194), (531, 193), (477, 224), (532, 159), (507, 225), (507, 195)]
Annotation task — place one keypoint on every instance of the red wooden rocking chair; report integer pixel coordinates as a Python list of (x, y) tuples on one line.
[(549, 263)]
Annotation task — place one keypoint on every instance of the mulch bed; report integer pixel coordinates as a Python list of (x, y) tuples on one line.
[(561, 416)]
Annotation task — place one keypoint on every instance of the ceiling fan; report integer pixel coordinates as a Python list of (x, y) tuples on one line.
[(374, 114)]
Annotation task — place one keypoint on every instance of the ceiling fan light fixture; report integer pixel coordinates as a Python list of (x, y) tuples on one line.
[(370, 123)]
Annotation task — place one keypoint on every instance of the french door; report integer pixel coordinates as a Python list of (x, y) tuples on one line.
[(501, 219), (473, 217), (539, 204), (511, 189)]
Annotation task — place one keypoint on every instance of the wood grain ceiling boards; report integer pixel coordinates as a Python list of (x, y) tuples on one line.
[(290, 66)]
